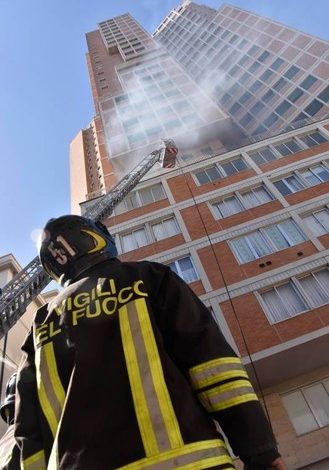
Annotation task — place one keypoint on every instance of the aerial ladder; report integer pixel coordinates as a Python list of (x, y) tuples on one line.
[(31, 280)]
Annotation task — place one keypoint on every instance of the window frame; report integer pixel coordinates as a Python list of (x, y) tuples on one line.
[(176, 260), (300, 291), (266, 240)]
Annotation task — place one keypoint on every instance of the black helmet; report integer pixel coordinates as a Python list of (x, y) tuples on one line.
[(71, 244), (7, 409)]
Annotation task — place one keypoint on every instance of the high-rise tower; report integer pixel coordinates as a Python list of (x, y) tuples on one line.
[(263, 74)]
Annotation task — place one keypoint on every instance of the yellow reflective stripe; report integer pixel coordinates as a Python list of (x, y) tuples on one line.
[(34, 462), (55, 380), (50, 390), (215, 362), (217, 454), (216, 370), (227, 395), (43, 399), (165, 403), (142, 412)]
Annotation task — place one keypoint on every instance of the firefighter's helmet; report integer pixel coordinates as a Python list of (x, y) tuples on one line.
[(71, 244), (7, 409)]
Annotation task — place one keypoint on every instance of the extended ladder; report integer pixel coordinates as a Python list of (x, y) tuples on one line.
[(31, 280)]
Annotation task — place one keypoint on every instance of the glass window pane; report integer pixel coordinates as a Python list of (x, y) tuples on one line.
[(202, 177), (232, 205), (250, 199), (275, 308), (146, 196), (262, 195), (187, 270), (158, 231), (242, 250), (321, 172), (276, 237), (291, 232), (291, 299), (318, 400), (310, 177), (323, 218), (314, 225), (171, 227), (323, 278), (294, 183), (140, 237), (229, 168), (259, 244), (213, 173), (299, 413), (282, 187), (313, 290), (239, 164), (158, 192), (128, 242)]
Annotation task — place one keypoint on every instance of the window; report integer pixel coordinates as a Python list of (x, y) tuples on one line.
[(290, 184), (267, 240), (263, 56), (228, 206), (313, 107), (255, 86), (313, 139), (308, 407), (296, 296), (283, 302), (266, 75), (257, 108), (270, 120), (268, 96), (134, 240), (295, 95), (279, 84), (291, 72), (288, 147), (318, 222), (324, 95), (216, 172), (210, 174), (315, 175), (308, 82), (242, 201), (246, 119), (277, 64), (283, 108), (185, 269), (141, 198), (263, 156), (166, 228), (256, 197)]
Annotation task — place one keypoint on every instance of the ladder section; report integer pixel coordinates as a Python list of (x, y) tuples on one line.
[(19, 292), (103, 208)]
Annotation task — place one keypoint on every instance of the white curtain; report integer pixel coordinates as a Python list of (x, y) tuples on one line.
[(314, 290), (318, 400), (299, 413)]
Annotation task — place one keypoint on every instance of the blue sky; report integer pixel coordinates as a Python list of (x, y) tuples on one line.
[(45, 95)]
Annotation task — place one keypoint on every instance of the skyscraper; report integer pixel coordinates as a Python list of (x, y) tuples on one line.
[(263, 74), (243, 218)]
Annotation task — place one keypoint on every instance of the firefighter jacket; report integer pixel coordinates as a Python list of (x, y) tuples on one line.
[(126, 369), (9, 451)]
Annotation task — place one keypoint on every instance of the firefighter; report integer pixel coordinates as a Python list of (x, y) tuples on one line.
[(126, 369), (9, 452)]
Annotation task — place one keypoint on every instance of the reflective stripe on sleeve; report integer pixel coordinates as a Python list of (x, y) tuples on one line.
[(216, 370), (34, 462), (50, 390), (227, 395), (195, 456)]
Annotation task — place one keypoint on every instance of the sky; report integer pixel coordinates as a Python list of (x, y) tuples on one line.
[(45, 96)]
